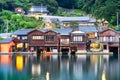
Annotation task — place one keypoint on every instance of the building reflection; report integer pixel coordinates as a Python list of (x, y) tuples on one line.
[(5, 59), (36, 69), (20, 66), (47, 76), (19, 63), (57, 67), (5, 66), (104, 75), (64, 68)]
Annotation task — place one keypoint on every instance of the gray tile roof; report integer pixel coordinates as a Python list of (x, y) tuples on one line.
[(5, 34), (83, 18), (88, 29), (64, 31), (22, 32), (7, 40)]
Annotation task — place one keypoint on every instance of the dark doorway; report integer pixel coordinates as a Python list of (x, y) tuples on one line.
[(104, 46), (65, 51), (48, 49), (114, 50)]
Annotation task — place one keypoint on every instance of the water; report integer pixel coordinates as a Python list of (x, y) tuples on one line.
[(80, 67)]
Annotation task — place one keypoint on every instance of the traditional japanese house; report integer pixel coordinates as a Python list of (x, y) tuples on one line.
[(22, 35), (66, 22), (91, 32), (5, 35), (51, 40), (78, 40), (80, 36), (36, 39), (91, 37), (19, 10), (110, 40), (64, 39), (37, 11), (8, 44)]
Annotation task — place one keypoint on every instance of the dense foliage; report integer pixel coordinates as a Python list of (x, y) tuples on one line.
[(52, 5), (100, 9), (106, 9), (10, 22)]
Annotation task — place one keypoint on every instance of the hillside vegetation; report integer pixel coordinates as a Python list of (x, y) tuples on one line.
[(100, 9)]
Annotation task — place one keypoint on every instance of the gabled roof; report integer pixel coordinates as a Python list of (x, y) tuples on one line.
[(23, 32), (64, 31), (5, 34), (109, 29), (88, 29), (47, 30), (8, 40), (36, 30)]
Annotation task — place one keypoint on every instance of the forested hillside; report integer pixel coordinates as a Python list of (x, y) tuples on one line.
[(52, 5), (106, 9), (99, 8)]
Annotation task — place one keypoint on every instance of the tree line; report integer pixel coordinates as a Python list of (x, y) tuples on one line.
[(52, 5), (106, 9), (9, 22), (100, 9)]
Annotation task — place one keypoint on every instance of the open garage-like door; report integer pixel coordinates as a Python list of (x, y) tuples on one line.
[(65, 50), (114, 50)]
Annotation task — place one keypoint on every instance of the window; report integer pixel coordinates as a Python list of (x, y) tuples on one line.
[(106, 39), (37, 37), (112, 39), (24, 37), (50, 38), (77, 38), (64, 40), (18, 37)]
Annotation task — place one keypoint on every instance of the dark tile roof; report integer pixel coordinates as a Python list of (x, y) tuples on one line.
[(5, 34), (7, 40), (108, 29), (22, 32), (88, 29), (64, 31)]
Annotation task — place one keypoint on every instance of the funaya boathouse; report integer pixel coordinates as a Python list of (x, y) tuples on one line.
[(80, 40)]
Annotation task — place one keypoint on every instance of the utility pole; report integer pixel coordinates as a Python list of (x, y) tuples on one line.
[(117, 19), (41, 9), (7, 27)]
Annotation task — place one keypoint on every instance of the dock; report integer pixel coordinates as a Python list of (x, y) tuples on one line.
[(56, 53), (11, 53)]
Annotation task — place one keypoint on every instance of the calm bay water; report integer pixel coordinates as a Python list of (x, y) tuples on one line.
[(79, 67)]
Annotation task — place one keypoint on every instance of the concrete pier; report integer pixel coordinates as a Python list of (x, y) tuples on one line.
[(55, 53)]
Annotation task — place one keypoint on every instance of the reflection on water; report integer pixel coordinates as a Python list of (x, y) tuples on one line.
[(19, 63), (54, 67)]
